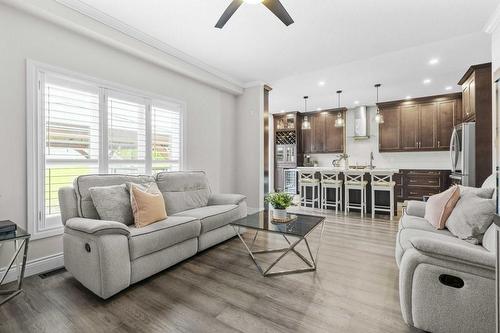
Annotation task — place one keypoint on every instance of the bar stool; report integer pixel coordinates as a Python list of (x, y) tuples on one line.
[(354, 180), (307, 180), (330, 180), (382, 181)]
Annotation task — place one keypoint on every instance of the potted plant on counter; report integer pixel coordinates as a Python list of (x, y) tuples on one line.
[(280, 202)]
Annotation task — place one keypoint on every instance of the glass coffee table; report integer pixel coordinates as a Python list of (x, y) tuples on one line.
[(293, 232)]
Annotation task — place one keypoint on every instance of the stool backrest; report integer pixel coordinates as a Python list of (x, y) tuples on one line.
[(354, 175), (329, 175), (306, 175), (382, 176)]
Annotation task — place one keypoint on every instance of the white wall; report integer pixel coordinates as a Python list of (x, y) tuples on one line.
[(210, 112), (249, 145), (359, 151)]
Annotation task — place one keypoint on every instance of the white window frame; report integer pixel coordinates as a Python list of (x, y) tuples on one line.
[(35, 141)]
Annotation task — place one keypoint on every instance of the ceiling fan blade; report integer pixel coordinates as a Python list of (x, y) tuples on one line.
[(233, 6), (279, 10)]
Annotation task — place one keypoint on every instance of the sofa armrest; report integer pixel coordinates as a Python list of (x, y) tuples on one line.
[(225, 199), (416, 208), (97, 227), (471, 255)]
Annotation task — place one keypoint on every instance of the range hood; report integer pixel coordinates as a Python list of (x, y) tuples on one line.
[(361, 123)]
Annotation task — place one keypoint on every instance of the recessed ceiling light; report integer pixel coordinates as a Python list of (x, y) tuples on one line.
[(448, 88), (321, 83), (356, 102), (319, 109), (427, 81), (408, 97), (434, 61)]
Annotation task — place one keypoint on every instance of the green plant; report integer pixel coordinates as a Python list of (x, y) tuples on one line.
[(279, 200)]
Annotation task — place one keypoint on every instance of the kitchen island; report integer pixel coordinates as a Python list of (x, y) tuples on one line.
[(355, 196)]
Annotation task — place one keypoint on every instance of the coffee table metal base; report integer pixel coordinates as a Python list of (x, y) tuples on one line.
[(311, 262)]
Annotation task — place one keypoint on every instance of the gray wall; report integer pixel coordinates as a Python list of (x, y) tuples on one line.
[(210, 112)]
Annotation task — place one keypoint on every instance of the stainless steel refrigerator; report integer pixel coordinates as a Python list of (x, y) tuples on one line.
[(462, 154)]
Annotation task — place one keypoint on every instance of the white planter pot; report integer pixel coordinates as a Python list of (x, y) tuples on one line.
[(279, 213)]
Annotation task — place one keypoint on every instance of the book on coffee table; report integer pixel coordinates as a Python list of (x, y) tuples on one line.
[(7, 226)]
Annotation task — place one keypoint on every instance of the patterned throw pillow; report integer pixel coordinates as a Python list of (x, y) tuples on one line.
[(112, 203)]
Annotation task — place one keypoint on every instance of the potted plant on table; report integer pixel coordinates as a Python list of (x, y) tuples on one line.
[(280, 202)]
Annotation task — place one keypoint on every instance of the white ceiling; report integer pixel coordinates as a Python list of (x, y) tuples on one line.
[(350, 44)]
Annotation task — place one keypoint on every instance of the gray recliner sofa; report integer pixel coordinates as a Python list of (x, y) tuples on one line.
[(108, 256), (445, 284)]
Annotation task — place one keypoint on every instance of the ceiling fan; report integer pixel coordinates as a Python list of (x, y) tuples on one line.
[(274, 6)]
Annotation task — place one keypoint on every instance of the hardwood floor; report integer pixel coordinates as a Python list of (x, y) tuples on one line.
[(220, 290)]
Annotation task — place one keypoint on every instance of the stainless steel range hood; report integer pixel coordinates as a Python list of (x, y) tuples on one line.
[(361, 123)]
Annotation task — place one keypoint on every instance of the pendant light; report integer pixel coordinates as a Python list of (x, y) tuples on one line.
[(339, 122), (305, 123), (379, 118)]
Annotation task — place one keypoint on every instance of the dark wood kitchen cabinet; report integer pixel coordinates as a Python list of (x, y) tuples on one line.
[(389, 131), (317, 133), (427, 126), (323, 136), (448, 116), (477, 107), (409, 127), (421, 124), (334, 136), (420, 183)]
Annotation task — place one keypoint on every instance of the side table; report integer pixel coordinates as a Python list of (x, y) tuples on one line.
[(20, 238)]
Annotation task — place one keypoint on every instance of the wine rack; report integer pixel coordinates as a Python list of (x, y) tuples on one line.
[(286, 138)]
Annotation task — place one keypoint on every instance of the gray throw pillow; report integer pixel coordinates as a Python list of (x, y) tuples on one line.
[(113, 203), (471, 217), (486, 193)]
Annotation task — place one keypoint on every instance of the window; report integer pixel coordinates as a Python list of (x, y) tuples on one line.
[(82, 126)]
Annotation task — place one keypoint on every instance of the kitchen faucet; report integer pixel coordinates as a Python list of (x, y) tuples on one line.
[(336, 162)]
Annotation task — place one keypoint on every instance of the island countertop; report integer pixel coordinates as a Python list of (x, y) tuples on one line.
[(366, 170)]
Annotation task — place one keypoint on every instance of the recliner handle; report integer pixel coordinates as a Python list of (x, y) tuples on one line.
[(451, 281)]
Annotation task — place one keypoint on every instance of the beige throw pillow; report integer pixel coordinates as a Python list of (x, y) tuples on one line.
[(440, 206), (147, 204)]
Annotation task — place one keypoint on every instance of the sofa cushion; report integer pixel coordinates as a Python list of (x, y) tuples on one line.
[(183, 190), (440, 206), (471, 217), (213, 217), (482, 192), (147, 204), (112, 203), (82, 184), (405, 236), (162, 234), (418, 223)]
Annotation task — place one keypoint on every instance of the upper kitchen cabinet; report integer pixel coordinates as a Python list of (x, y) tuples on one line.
[(388, 132), (421, 124), (334, 136), (475, 93), (323, 136), (477, 107), (318, 132), (409, 127)]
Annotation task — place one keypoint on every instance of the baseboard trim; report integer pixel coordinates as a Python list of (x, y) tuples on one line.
[(36, 266)]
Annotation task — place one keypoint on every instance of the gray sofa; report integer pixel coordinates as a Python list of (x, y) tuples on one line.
[(108, 256), (445, 284)]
